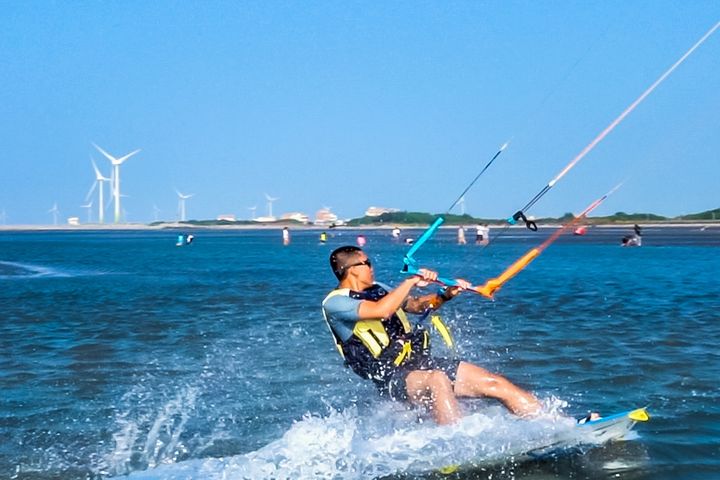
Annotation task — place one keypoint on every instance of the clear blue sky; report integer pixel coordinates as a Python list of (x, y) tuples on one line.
[(352, 104)]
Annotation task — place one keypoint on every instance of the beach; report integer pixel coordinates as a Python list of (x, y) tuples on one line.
[(298, 226)]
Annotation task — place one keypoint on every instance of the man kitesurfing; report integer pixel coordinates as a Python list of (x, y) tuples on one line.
[(633, 240), (368, 321)]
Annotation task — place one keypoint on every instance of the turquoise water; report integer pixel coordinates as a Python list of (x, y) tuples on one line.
[(123, 354)]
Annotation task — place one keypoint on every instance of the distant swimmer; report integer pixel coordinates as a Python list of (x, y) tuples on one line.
[(369, 324), (461, 235), (286, 236), (396, 233), (323, 237), (409, 241), (482, 234), (361, 240)]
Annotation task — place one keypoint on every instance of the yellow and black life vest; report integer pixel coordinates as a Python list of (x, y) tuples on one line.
[(392, 339)]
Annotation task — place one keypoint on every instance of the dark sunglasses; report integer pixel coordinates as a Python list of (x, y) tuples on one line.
[(365, 262)]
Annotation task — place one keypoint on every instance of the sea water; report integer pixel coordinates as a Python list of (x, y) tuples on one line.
[(122, 354)]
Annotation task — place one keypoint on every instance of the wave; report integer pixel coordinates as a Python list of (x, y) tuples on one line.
[(12, 270), (351, 445), (18, 270)]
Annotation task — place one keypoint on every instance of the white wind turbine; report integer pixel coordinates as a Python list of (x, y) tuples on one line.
[(3, 216), (461, 202), (89, 210), (54, 210), (181, 204), (156, 212), (270, 202), (252, 209), (98, 183), (116, 162)]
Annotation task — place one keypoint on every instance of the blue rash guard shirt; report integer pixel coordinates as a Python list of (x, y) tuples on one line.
[(342, 313)]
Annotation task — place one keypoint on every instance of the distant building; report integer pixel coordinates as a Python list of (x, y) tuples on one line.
[(325, 217), (297, 216), (377, 211), (264, 219), (228, 217), (73, 220)]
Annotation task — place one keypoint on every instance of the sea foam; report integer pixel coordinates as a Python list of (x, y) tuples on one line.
[(351, 445)]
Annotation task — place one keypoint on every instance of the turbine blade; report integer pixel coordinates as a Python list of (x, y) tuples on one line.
[(107, 155), (98, 175), (92, 189), (122, 159)]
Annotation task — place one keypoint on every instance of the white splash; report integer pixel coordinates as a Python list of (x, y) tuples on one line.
[(353, 445)]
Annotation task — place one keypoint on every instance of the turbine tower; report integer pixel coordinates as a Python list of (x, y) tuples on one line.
[(252, 209), (54, 210), (89, 210), (116, 162), (98, 183), (156, 212), (270, 202), (461, 202), (181, 204)]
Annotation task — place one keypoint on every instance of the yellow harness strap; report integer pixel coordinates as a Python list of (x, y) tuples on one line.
[(443, 331), (404, 354), (404, 320)]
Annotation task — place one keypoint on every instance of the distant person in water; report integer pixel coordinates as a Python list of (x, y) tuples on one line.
[(323, 237), (361, 241), (368, 321), (461, 235), (478, 234), (286, 236), (396, 233), (482, 234)]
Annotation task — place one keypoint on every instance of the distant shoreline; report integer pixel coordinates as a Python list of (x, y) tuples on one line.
[(279, 226)]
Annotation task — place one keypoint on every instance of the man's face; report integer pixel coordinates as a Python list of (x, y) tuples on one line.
[(361, 267)]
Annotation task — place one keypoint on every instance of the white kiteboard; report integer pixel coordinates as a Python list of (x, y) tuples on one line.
[(591, 432)]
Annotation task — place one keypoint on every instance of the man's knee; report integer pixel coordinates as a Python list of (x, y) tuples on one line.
[(438, 380), (428, 380)]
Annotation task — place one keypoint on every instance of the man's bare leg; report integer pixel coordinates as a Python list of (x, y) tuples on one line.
[(474, 381), (434, 389)]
